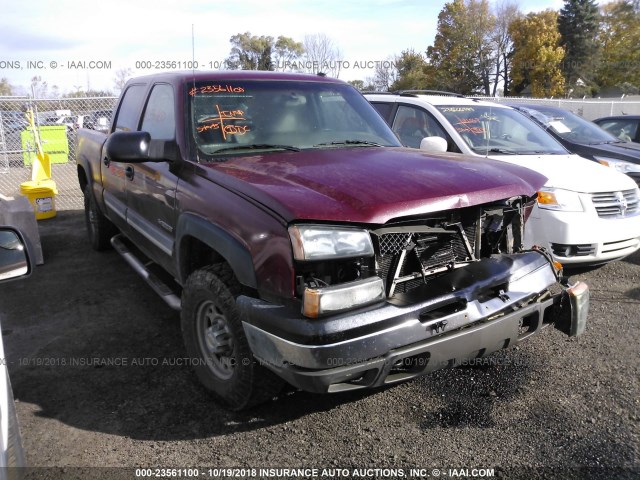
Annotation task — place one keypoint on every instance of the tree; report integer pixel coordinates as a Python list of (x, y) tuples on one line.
[(249, 52), (578, 24), (461, 55), (504, 12), (39, 87), (537, 54), (385, 74), (414, 73), (5, 88), (88, 94), (620, 36), (287, 52), (122, 75), (359, 84), (363, 86), (322, 55)]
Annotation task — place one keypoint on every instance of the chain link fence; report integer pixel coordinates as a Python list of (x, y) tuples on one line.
[(589, 109), (58, 120)]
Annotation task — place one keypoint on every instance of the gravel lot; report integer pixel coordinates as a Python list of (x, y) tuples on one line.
[(552, 408)]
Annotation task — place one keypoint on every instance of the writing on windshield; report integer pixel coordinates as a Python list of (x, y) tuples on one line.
[(217, 88), (218, 123), (467, 125)]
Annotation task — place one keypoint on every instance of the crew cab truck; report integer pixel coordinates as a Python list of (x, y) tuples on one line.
[(302, 243)]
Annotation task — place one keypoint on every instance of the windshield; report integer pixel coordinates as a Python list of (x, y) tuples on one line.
[(498, 130), (570, 126), (282, 115)]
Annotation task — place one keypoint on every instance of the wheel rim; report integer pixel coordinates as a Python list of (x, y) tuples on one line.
[(215, 340)]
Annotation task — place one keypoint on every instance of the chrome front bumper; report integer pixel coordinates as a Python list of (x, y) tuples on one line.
[(388, 343)]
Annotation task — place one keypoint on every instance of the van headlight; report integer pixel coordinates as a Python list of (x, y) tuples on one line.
[(619, 165), (560, 200), (319, 242)]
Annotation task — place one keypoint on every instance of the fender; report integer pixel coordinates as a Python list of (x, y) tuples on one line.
[(235, 254), (90, 168)]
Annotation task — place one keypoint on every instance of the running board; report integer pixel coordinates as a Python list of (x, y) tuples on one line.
[(161, 288)]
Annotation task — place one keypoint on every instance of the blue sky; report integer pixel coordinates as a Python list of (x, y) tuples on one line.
[(57, 36)]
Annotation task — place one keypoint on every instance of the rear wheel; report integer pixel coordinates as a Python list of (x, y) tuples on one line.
[(216, 343), (99, 228)]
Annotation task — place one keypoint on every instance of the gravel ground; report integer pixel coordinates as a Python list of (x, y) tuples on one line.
[(552, 408)]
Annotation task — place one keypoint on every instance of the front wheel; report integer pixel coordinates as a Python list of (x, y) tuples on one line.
[(216, 343), (99, 228)]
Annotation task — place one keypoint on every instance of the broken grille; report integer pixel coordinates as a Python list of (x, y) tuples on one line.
[(405, 258)]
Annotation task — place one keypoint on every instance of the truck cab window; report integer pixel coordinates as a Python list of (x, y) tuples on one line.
[(159, 115), (129, 111)]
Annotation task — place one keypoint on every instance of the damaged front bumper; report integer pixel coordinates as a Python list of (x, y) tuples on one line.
[(465, 314)]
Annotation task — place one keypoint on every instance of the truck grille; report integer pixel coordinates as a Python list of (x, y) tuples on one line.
[(410, 253), (423, 252), (616, 204), (393, 243)]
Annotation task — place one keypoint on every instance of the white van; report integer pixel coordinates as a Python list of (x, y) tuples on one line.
[(586, 213)]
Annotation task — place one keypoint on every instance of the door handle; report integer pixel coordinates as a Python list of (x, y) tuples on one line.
[(129, 172), (106, 161)]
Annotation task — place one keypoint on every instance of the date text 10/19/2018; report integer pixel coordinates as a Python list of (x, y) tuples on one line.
[(306, 472)]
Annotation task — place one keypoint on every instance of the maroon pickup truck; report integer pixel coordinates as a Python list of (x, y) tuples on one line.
[(302, 243)]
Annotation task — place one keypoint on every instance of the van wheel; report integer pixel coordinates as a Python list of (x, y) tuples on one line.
[(99, 228), (216, 343)]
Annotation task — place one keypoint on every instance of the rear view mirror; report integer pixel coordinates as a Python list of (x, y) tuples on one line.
[(433, 144), (14, 255)]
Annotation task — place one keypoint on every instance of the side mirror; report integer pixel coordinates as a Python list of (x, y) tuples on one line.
[(433, 144), (14, 255), (137, 147), (128, 147)]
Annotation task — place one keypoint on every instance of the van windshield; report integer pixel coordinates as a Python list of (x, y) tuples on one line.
[(499, 130), (571, 127), (229, 117)]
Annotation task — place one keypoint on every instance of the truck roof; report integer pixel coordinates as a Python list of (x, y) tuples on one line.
[(182, 76)]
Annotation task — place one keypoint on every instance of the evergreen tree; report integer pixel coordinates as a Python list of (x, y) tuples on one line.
[(578, 24)]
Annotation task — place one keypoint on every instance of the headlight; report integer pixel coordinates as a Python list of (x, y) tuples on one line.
[(561, 200), (317, 242), (338, 298), (620, 165)]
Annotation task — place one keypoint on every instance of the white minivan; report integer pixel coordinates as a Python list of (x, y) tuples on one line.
[(586, 213)]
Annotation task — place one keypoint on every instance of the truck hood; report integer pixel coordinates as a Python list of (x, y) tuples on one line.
[(369, 185), (571, 172)]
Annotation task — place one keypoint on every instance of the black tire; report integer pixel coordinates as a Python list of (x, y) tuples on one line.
[(216, 343), (99, 228)]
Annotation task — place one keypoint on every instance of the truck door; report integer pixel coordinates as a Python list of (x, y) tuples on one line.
[(114, 174), (151, 186)]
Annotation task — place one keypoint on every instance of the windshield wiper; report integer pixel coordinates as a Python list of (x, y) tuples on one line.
[(257, 146), (608, 142), (363, 143), (502, 151)]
